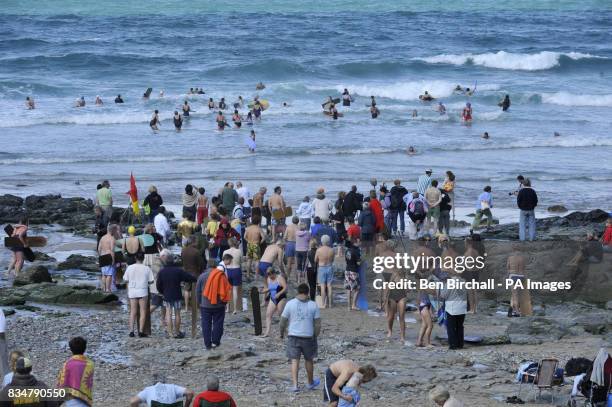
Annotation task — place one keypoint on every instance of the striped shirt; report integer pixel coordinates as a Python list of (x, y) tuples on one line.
[(423, 183)]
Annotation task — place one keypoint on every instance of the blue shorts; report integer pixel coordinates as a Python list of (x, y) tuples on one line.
[(108, 271), (173, 304), (234, 276), (326, 274), (263, 268), (290, 249)]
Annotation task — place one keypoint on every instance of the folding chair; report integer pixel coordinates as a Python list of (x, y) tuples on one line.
[(544, 377)]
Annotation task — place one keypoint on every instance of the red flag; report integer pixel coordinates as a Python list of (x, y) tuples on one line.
[(133, 193)]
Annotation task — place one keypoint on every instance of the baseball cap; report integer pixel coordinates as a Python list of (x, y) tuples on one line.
[(23, 364), (428, 170)]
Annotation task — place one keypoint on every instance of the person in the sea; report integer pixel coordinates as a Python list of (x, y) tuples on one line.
[(458, 89), (260, 86), (237, 119), (80, 102), (201, 91), (372, 101), (346, 98), (77, 375), (275, 288), (415, 113), (485, 135), (411, 150), (106, 253), (239, 103), (178, 121), (118, 99), (252, 144), (163, 393), (191, 91), (505, 103), (154, 123), (337, 376), (333, 111), (466, 114), (221, 122), (301, 319), (249, 118), (161, 93), (441, 108), (99, 101), (186, 109), (257, 109), (426, 97), (29, 103), (222, 104), (211, 104), (374, 112)]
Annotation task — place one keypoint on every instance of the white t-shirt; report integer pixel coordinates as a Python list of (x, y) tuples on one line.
[(301, 316), (2, 322), (162, 392), (138, 277), (236, 257), (243, 192)]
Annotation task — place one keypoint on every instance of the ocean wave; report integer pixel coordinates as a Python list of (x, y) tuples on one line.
[(570, 99), (512, 61), (86, 59)]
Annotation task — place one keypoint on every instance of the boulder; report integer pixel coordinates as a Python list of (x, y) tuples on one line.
[(73, 212), (49, 293), (40, 256), (80, 262), (11, 300), (33, 275), (535, 330)]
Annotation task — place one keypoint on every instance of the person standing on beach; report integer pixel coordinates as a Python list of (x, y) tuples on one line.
[(352, 255), (229, 197), (168, 284), (215, 292), (338, 374), (193, 260), (153, 201), (106, 257), (455, 307), (290, 239), (398, 207), (527, 200), (277, 207), (243, 192), (324, 260), (483, 208), (139, 277), (520, 299), (301, 319), (234, 274), (273, 254), (20, 232), (104, 199), (162, 227), (433, 197), (77, 375), (449, 188), (321, 206), (424, 182)]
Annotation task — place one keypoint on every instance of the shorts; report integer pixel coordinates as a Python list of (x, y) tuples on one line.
[(326, 274), (351, 280), (234, 276), (433, 213), (263, 268), (108, 271), (156, 300), (253, 251), (276, 220), (330, 380), (297, 346), (290, 249), (173, 304), (187, 286)]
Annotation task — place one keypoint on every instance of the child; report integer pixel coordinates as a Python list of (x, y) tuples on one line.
[(351, 389)]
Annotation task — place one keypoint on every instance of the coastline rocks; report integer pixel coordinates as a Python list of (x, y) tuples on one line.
[(33, 275), (535, 330), (557, 208), (80, 262), (47, 209), (49, 293)]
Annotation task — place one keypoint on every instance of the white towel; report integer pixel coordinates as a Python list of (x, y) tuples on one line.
[(597, 376)]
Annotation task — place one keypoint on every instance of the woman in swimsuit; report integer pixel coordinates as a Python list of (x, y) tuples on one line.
[(395, 300), (424, 303), (276, 288), (20, 231), (131, 246), (155, 121), (178, 121), (237, 119), (186, 109), (221, 123), (467, 113), (211, 104)]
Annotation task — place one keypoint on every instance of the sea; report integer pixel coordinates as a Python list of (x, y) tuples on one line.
[(553, 58)]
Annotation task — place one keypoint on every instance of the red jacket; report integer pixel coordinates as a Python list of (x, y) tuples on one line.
[(213, 397), (607, 236), (377, 210), (222, 234)]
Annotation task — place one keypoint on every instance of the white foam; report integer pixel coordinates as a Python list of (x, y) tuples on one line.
[(507, 60), (570, 99)]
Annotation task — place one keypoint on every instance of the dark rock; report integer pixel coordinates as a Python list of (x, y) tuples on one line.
[(49, 293), (11, 300), (73, 212), (80, 262), (556, 208), (40, 256), (535, 330), (8, 311), (29, 308), (33, 275), (11, 200)]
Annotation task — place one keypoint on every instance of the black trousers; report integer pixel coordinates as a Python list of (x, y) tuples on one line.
[(311, 276), (454, 329)]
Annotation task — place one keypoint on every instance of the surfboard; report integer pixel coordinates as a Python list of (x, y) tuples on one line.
[(148, 92), (325, 105), (33, 241), (256, 306), (262, 102)]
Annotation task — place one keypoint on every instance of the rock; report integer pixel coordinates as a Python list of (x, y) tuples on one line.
[(80, 262), (11, 300), (33, 275), (49, 293), (11, 200), (609, 305), (73, 212), (40, 256), (29, 308), (8, 312), (556, 208), (535, 330)]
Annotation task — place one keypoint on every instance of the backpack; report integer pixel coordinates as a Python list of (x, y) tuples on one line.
[(417, 208), (396, 200)]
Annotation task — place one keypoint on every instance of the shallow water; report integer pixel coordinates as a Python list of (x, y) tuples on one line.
[(554, 59)]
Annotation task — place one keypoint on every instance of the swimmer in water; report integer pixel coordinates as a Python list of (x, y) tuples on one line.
[(415, 113), (556, 134), (221, 122), (239, 103), (333, 111), (372, 101), (29, 103), (222, 104), (249, 118), (441, 108), (411, 150), (186, 109), (211, 104), (466, 115), (161, 93), (190, 91), (260, 86), (285, 104), (468, 92), (80, 102), (374, 111), (99, 101), (237, 119), (458, 89), (346, 98), (154, 123), (201, 91), (505, 103), (178, 121), (252, 144), (118, 99), (426, 97), (485, 135)]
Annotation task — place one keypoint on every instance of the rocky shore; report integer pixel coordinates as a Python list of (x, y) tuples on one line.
[(47, 308)]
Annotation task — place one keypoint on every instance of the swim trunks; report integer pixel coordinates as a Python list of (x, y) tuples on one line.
[(253, 252), (351, 280), (290, 249), (326, 274), (297, 346), (263, 268), (173, 304), (234, 275), (330, 380), (108, 271)]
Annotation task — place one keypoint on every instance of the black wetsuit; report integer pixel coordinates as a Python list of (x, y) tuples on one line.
[(178, 122)]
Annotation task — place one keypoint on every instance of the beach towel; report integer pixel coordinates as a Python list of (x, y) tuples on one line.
[(217, 287), (597, 376), (77, 376)]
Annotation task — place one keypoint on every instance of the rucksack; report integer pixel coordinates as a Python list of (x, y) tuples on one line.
[(417, 208)]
